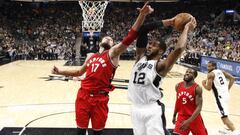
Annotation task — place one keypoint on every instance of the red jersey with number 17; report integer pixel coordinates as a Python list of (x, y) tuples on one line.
[(186, 104), (100, 71)]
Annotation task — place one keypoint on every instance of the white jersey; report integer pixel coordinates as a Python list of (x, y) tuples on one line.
[(144, 83), (221, 93), (220, 84)]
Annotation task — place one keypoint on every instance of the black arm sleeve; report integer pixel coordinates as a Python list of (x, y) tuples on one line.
[(144, 30)]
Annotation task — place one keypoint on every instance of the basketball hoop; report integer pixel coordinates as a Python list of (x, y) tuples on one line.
[(93, 12)]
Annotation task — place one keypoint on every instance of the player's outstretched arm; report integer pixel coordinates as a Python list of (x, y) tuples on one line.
[(165, 66), (78, 72), (118, 49), (197, 111), (75, 73), (230, 78)]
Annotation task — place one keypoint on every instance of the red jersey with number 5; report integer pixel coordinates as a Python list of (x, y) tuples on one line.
[(186, 104), (100, 71)]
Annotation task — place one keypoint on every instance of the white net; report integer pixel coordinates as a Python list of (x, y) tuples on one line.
[(93, 12)]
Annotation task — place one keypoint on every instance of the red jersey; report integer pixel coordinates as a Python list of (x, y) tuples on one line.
[(100, 71), (186, 104)]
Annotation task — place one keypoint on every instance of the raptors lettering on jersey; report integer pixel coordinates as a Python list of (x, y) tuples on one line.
[(97, 76)]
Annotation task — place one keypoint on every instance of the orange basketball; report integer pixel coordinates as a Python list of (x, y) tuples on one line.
[(181, 20)]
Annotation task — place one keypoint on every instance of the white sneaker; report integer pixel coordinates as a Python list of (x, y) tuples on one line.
[(224, 132), (236, 132)]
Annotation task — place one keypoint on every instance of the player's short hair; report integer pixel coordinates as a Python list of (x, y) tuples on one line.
[(195, 73), (162, 45), (156, 36), (213, 63)]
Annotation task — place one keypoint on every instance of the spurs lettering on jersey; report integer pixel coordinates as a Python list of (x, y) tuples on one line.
[(144, 83), (139, 77)]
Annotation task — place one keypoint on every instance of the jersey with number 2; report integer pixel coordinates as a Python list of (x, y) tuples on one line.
[(220, 83)]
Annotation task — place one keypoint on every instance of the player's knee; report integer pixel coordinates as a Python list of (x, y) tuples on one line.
[(98, 132), (81, 131)]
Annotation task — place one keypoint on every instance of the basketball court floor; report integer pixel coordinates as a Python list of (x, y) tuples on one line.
[(28, 101)]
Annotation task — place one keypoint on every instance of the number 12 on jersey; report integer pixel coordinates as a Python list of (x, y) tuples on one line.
[(139, 78)]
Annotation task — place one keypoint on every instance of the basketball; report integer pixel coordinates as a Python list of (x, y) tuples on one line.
[(181, 20)]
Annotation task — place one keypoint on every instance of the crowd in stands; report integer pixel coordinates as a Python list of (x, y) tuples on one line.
[(48, 31)]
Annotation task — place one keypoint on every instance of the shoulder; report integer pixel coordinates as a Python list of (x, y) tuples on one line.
[(177, 86), (198, 89), (224, 72), (143, 58), (89, 55), (210, 75), (139, 57)]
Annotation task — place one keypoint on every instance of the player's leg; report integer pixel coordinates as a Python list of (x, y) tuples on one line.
[(154, 123), (82, 115), (197, 127), (138, 121), (164, 121), (178, 123), (223, 107), (228, 123), (81, 131), (99, 115), (100, 132)]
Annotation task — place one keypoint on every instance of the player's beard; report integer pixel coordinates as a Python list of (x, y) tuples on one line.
[(106, 46), (210, 70), (188, 79), (150, 55)]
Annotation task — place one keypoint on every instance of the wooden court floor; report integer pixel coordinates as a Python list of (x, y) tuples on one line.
[(28, 100)]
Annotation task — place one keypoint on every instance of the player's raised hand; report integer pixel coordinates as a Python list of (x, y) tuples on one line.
[(191, 24), (55, 70), (146, 9)]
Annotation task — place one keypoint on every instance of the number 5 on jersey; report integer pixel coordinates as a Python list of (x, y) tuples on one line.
[(184, 100)]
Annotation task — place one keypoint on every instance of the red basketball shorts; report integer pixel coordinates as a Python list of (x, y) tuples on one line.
[(94, 109), (196, 127)]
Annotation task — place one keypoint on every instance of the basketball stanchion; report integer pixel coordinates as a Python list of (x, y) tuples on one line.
[(67, 78), (120, 80), (119, 86)]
